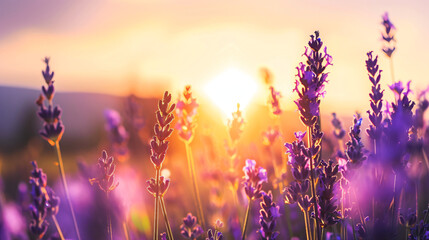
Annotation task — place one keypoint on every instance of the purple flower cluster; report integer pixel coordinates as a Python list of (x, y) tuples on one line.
[(396, 129), (186, 112), (339, 131), (53, 128), (274, 101), (214, 235), (271, 135), (164, 117), (376, 95), (326, 191), (235, 126), (134, 114), (355, 149), (388, 35), (190, 229), (106, 173), (160, 189), (44, 202), (253, 179), (310, 84), (267, 219), (300, 167), (118, 135)]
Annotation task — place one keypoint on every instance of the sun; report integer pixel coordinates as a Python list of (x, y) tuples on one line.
[(231, 87)]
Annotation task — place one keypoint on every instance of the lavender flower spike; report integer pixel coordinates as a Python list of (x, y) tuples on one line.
[(106, 179), (44, 202), (164, 117), (186, 112), (388, 35), (190, 229), (267, 219), (375, 114), (53, 128), (253, 179)]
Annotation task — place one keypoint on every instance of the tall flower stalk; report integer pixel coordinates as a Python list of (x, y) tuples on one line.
[(375, 114), (235, 129), (310, 85), (53, 130), (44, 204), (106, 182), (252, 182), (389, 41), (186, 112), (296, 192), (159, 145)]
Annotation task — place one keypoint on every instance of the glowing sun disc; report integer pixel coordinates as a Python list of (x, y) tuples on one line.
[(231, 87)]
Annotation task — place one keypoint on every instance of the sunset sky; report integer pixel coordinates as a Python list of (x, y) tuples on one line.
[(146, 46)]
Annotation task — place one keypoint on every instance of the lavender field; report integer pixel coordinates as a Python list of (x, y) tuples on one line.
[(248, 155)]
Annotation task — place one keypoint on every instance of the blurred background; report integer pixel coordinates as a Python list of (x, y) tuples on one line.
[(113, 54)]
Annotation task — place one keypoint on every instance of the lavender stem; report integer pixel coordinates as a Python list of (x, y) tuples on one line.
[(191, 165), (124, 226), (246, 220), (64, 181), (167, 223), (156, 214), (313, 188), (109, 220), (54, 219)]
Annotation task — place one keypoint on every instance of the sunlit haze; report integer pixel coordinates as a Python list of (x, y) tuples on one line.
[(230, 88), (144, 47)]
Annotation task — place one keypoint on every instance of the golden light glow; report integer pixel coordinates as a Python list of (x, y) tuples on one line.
[(231, 87)]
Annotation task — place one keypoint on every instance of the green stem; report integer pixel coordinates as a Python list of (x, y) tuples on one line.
[(54, 219), (353, 228), (167, 223), (191, 165), (392, 70), (323, 234), (109, 219), (312, 181), (407, 232), (156, 213), (124, 226), (307, 225), (66, 190), (246, 219), (286, 219)]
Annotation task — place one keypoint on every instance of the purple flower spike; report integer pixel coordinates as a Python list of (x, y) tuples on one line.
[(47, 74), (253, 179), (118, 135), (163, 186), (163, 236), (311, 79), (355, 149), (270, 136), (267, 219), (44, 202), (164, 117), (339, 131), (327, 203), (190, 229), (376, 95), (235, 126), (274, 101), (106, 179), (214, 235), (186, 112), (52, 132), (388, 35), (53, 128)]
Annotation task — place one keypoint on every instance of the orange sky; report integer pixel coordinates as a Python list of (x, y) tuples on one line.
[(145, 45)]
